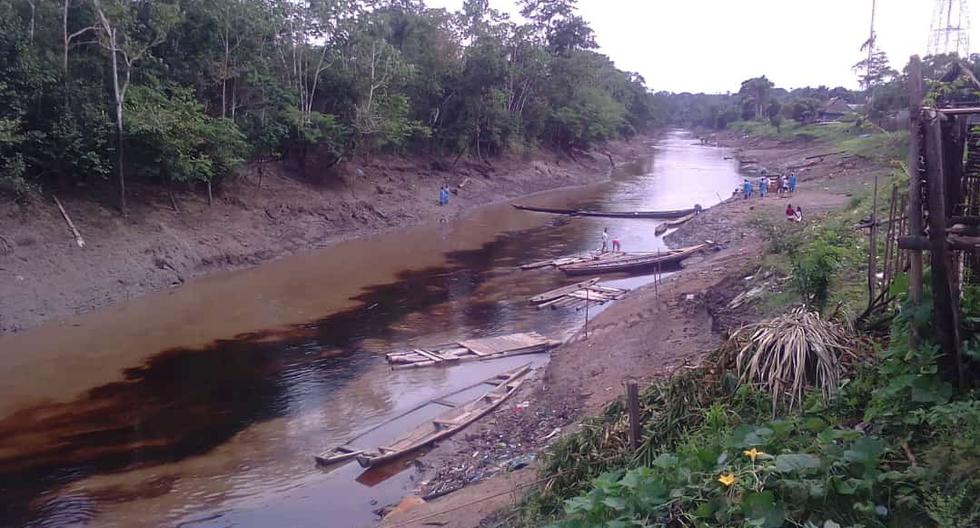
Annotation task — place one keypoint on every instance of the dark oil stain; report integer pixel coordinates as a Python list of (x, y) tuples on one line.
[(184, 402)]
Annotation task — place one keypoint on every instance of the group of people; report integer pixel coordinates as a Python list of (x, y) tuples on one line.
[(794, 215), (786, 184), (605, 241), (444, 195)]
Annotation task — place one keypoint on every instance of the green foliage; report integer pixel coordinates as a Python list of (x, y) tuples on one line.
[(813, 270), (170, 129), (207, 84)]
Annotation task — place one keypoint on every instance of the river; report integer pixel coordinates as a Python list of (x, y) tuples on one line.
[(203, 406)]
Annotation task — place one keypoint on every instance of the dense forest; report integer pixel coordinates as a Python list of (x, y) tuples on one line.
[(101, 93)]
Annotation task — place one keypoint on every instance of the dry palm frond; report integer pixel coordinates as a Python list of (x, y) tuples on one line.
[(786, 355)]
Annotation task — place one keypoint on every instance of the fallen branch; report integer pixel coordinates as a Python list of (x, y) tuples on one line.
[(825, 155), (78, 236)]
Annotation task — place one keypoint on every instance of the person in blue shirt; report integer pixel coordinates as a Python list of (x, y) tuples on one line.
[(763, 186), (747, 189), (792, 182)]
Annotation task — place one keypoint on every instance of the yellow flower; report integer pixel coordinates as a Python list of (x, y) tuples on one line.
[(727, 479), (753, 453)]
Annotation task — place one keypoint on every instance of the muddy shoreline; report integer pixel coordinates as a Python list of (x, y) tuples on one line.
[(163, 244), (653, 332)]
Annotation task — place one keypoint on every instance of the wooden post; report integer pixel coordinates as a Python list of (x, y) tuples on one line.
[(586, 313), (633, 406), (873, 245), (944, 312), (914, 213)]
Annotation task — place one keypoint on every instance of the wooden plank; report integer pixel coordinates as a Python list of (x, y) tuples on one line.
[(500, 344), (944, 313), (558, 292), (429, 355)]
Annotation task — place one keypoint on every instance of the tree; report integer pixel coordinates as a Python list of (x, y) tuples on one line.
[(754, 94), (128, 31), (874, 70)]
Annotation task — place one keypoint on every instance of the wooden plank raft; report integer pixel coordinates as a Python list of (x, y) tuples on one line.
[(472, 349), (450, 422), (578, 295), (346, 451), (591, 256)]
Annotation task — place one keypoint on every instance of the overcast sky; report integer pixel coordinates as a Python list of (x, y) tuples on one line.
[(713, 45)]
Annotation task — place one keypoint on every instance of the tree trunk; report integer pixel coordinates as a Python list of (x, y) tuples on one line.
[(117, 91)]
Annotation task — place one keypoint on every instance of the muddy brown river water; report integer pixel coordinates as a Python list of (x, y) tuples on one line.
[(203, 406)]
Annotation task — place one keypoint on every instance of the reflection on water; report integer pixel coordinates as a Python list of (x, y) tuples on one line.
[(224, 433)]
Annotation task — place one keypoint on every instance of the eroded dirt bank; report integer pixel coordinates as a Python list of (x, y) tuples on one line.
[(652, 333), (163, 243)]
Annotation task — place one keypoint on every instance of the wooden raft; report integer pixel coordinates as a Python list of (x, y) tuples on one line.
[(578, 295), (591, 256), (472, 349)]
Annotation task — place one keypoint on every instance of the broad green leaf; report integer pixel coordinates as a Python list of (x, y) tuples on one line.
[(790, 463), (763, 510)]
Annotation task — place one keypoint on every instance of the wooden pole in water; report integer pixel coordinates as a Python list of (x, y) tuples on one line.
[(633, 406)]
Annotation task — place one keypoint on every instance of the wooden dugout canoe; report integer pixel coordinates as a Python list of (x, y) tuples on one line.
[(450, 422), (674, 213), (632, 262)]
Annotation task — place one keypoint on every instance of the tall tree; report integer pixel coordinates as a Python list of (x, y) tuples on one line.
[(128, 31)]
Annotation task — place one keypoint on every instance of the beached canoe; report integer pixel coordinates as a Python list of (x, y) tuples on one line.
[(662, 228), (675, 213), (629, 263), (346, 451), (473, 349), (450, 422)]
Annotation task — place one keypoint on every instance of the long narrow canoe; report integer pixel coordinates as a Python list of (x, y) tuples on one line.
[(662, 228), (347, 451), (543, 209), (632, 262), (675, 213), (450, 422)]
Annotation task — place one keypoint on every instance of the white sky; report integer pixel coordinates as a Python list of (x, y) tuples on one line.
[(713, 45)]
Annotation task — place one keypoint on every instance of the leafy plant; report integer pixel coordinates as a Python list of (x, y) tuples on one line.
[(786, 355)]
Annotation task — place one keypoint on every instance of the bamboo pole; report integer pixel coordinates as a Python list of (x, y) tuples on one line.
[(915, 183), (78, 236)]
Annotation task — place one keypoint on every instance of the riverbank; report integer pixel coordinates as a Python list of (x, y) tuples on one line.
[(163, 243), (654, 332)]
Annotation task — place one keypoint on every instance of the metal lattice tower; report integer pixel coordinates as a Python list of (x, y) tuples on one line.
[(950, 30)]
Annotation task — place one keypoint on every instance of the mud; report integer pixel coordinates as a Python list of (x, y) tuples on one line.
[(44, 275)]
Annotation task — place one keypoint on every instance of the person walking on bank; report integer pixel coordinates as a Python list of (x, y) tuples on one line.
[(747, 189), (763, 186), (792, 182), (605, 239)]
